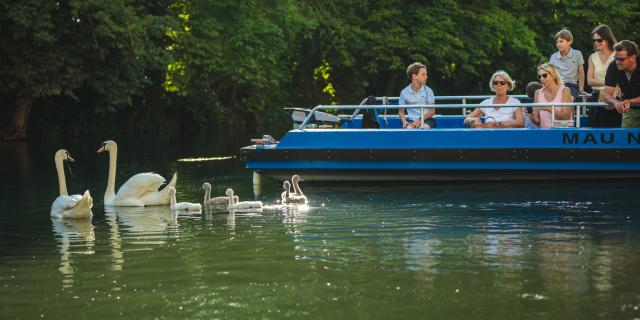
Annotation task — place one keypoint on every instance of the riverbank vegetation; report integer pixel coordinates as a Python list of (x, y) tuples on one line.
[(89, 67)]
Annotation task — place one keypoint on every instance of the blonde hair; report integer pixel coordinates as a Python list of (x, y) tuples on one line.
[(551, 70), (504, 75), (564, 34)]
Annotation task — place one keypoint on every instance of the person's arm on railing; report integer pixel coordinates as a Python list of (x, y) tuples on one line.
[(607, 96)]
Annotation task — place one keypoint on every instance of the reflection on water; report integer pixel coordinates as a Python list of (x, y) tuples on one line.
[(498, 251), (76, 238)]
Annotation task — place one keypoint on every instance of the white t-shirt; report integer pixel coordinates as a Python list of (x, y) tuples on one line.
[(500, 114)]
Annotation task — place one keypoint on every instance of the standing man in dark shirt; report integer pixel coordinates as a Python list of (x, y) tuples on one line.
[(624, 73)]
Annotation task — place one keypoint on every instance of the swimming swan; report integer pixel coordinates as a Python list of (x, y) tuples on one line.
[(242, 204), (296, 188), (288, 198), (140, 190), (65, 206), (182, 206), (217, 201)]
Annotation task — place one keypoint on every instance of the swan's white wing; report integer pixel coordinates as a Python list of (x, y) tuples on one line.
[(75, 206), (140, 184)]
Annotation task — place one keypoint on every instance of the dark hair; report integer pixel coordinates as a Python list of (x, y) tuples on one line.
[(532, 87), (414, 68), (627, 45), (605, 33)]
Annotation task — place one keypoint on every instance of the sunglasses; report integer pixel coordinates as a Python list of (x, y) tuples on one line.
[(502, 83), (621, 59), (597, 40), (544, 75)]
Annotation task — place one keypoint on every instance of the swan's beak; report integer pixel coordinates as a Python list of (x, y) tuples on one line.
[(102, 148), (70, 159)]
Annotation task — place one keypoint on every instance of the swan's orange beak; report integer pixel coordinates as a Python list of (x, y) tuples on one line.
[(102, 148)]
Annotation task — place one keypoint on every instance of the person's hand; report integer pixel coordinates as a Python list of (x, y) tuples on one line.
[(405, 124), (491, 124), (415, 124), (472, 122), (623, 106)]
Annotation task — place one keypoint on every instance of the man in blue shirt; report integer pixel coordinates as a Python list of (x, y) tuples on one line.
[(417, 93)]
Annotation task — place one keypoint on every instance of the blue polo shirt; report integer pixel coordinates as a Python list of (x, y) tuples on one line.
[(422, 96), (568, 66)]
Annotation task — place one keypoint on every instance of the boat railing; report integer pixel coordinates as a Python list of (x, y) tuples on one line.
[(463, 100), (320, 109)]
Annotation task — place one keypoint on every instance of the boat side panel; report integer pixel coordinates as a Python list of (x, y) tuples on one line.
[(579, 138)]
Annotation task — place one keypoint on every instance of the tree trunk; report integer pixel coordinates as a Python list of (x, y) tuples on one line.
[(17, 128)]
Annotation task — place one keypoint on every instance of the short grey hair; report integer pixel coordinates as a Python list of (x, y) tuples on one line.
[(503, 74)]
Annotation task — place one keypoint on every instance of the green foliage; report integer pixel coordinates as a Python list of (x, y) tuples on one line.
[(233, 58), (238, 62), (60, 48)]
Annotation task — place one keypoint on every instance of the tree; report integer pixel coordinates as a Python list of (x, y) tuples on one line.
[(51, 49)]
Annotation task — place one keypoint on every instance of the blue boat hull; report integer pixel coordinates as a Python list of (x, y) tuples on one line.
[(450, 154)]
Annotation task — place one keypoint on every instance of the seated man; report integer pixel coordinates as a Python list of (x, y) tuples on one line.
[(417, 93), (503, 117)]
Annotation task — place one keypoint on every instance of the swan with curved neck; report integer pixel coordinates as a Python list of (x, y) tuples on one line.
[(66, 206), (216, 201), (243, 205), (296, 187), (181, 206), (289, 198), (140, 190)]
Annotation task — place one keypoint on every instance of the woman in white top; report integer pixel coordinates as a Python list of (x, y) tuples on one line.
[(603, 41), (498, 117)]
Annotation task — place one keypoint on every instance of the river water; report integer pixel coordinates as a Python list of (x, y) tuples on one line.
[(566, 250)]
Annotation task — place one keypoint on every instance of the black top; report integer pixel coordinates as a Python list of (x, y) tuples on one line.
[(630, 88)]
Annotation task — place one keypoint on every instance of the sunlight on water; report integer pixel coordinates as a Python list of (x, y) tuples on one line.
[(498, 251)]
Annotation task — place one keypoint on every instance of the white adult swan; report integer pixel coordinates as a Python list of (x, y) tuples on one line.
[(140, 190), (288, 198), (65, 206), (182, 206), (296, 188), (243, 205), (216, 201)]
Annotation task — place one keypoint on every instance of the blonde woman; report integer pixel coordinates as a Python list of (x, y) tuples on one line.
[(553, 90), (498, 117)]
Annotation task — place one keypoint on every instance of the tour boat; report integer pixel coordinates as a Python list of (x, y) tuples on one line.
[(326, 145)]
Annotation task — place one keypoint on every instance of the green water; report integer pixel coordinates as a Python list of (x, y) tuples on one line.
[(483, 251)]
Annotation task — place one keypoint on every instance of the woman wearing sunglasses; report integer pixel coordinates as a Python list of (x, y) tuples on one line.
[(498, 117), (553, 90), (603, 41)]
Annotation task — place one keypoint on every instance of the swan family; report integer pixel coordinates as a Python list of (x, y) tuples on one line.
[(144, 189)]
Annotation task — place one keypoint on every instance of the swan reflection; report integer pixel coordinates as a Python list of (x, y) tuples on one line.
[(141, 224), (76, 237)]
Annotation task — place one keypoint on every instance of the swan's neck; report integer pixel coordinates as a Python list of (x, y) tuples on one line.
[(173, 200), (287, 191), (207, 195), (110, 193), (296, 188), (231, 200), (62, 181)]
